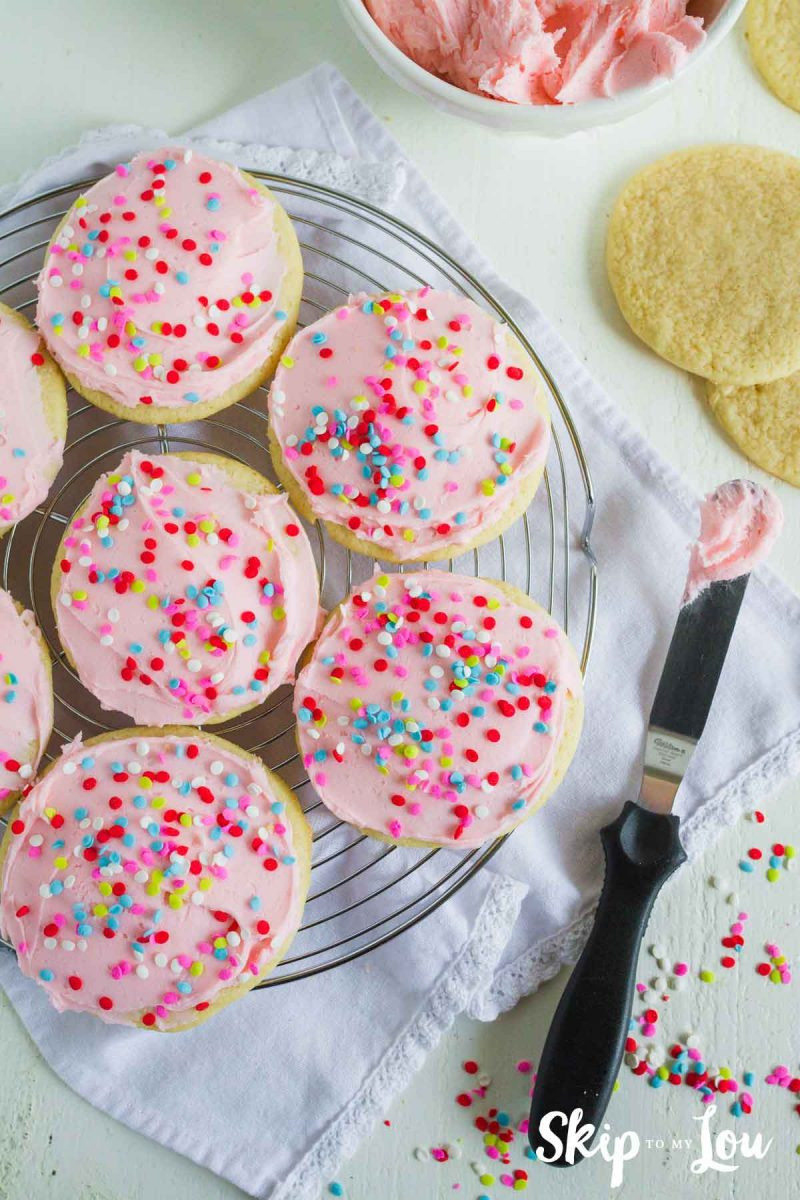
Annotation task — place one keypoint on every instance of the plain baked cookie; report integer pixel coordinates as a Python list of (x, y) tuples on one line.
[(26, 698), (413, 424), (773, 33), (33, 419), (702, 254), (170, 288), (438, 709), (764, 421), (152, 876), (184, 589)]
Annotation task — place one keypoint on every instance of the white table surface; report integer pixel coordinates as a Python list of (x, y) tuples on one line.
[(538, 209)]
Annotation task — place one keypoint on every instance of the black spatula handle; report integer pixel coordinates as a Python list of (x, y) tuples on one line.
[(583, 1050)]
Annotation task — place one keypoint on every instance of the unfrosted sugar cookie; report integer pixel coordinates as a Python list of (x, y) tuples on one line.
[(413, 424), (26, 699), (773, 33), (33, 419), (185, 589), (438, 709), (170, 288), (150, 877), (764, 421), (702, 255)]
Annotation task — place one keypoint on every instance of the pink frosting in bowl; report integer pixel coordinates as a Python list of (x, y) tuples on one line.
[(543, 52), (739, 524)]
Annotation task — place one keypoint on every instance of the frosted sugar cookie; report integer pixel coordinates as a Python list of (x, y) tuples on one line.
[(150, 876), (413, 424), (702, 255), (185, 589), (764, 421), (170, 288), (33, 419), (438, 709), (26, 699), (773, 33)]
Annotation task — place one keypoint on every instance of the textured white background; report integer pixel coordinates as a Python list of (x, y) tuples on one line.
[(538, 210)]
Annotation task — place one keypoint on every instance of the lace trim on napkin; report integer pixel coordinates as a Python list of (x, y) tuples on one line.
[(377, 181), (528, 972), (471, 970)]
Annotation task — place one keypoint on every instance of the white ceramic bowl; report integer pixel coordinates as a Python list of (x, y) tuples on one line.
[(544, 120)]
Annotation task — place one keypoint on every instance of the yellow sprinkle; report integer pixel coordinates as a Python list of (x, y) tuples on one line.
[(152, 602), (193, 479), (104, 889), (137, 586), (185, 819), (100, 910), (196, 968), (204, 884), (706, 976), (279, 613), (83, 350), (60, 863), (192, 540), (145, 784), (207, 525), (287, 361), (174, 901), (130, 328)]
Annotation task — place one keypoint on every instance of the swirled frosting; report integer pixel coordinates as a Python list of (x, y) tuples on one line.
[(409, 420), (543, 51), (145, 875), (26, 699), (433, 708), (30, 454), (181, 597), (739, 524), (162, 286)]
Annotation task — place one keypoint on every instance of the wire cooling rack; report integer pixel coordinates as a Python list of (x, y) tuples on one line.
[(363, 893)]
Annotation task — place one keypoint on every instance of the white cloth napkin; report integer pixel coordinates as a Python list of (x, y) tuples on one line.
[(262, 1094)]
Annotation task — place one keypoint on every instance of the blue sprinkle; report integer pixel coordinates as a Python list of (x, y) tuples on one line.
[(182, 276), (46, 974)]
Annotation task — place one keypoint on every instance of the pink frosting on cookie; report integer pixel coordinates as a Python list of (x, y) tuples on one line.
[(543, 51), (181, 597), (739, 524), (30, 455), (26, 698), (406, 420), (146, 875), (433, 708), (162, 287)]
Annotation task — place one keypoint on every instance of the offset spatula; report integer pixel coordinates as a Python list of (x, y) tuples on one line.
[(583, 1051)]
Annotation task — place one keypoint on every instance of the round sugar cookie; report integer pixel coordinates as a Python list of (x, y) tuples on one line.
[(764, 421), (412, 424), (773, 33), (184, 589), (33, 419), (438, 709), (26, 699), (702, 255), (170, 288), (150, 877)]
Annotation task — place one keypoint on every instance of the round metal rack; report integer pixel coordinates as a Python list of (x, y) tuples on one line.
[(363, 893)]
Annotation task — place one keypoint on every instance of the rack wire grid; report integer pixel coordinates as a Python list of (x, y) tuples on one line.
[(363, 892)]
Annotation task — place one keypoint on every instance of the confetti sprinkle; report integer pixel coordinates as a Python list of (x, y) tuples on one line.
[(440, 695), (404, 420), (142, 296), (109, 892), (179, 596)]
